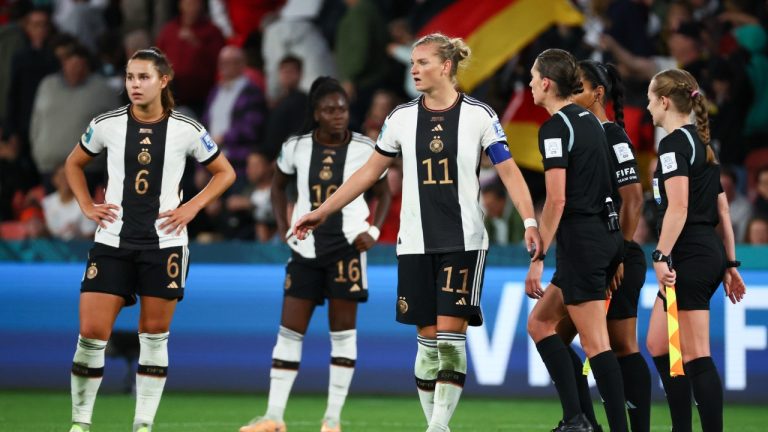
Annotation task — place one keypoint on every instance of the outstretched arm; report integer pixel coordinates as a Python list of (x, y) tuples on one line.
[(361, 181)]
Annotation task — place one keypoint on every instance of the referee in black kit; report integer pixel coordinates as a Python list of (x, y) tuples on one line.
[(601, 82), (589, 243), (689, 255)]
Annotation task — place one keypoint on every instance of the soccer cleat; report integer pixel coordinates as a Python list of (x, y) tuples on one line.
[(330, 426), (79, 427), (260, 424), (576, 424)]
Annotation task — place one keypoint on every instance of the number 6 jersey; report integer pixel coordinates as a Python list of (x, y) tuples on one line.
[(145, 163)]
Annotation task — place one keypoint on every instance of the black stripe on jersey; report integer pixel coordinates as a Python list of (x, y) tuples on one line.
[(186, 119), (475, 102), (85, 149), (436, 151), (384, 152), (405, 105), (109, 114), (326, 174), (212, 158), (142, 185)]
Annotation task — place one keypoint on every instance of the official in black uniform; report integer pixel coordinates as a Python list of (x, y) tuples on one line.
[(331, 263), (689, 254), (589, 244), (601, 82), (442, 240), (141, 242)]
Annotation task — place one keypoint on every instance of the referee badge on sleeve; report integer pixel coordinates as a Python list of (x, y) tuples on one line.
[(553, 148), (668, 162)]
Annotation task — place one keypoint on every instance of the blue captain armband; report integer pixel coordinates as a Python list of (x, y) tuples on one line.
[(498, 152)]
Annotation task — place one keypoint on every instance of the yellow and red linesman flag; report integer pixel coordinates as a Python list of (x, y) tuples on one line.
[(673, 329), (496, 30)]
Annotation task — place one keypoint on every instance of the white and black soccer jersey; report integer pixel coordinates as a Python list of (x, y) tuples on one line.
[(145, 163), (573, 138), (624, 163), (681, 153), (441, 153), (319, 171)]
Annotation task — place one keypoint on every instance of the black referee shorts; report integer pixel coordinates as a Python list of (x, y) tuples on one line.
[(340, 275), (698, 258), (626, 297), (587, 257), (127, 273), (446, 284)]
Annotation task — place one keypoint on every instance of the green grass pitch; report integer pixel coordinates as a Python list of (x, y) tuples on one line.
[(50, 412)]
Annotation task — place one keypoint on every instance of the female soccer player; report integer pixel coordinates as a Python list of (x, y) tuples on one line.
[(689, 254), (442, 242), (331, 263), (589, 244), (600, 82), (141, 241)]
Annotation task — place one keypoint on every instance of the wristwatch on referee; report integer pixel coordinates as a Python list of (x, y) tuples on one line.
[(657, 256), (734, 264)]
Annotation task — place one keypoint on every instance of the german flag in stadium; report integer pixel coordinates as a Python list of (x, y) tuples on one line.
[(496, 30), (521, 121)]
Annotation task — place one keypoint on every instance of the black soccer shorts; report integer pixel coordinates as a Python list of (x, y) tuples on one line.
[(447, 284), (127, 273), (341, 275), (625, 299)]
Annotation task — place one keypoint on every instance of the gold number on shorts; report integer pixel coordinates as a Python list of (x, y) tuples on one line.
[(142, 185), (353, 271), (173, 266), (318, 190), (447, 287), (446, 175)]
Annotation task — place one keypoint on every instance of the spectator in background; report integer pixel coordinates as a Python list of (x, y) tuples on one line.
[(294, 34), (251, 207), (382, 103), (761, 190), (284, 120), (136, 40), (237, 19), (12, 39), (236, 111), (28, 68), (400, 50), (64, 105), (83, 19), (144, 15), (502, 222), (192, 44), (63, 217), (361, 45), (757, 231), (753, 39), (739, 206)]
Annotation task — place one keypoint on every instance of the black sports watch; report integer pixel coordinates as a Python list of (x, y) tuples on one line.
[(734, 263), (657, 256)]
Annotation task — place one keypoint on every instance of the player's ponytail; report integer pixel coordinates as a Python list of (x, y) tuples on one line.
[(682, 89), (453, 49), (164, 68), (321, 87), (617, 93)]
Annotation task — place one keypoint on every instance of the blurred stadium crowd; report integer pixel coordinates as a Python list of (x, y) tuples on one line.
[(243, 68)]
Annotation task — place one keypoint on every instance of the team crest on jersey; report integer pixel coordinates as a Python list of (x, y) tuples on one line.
[(145, 158), (207, 142), (92, 271), (402, 305), (326, 173), (436, 145)]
